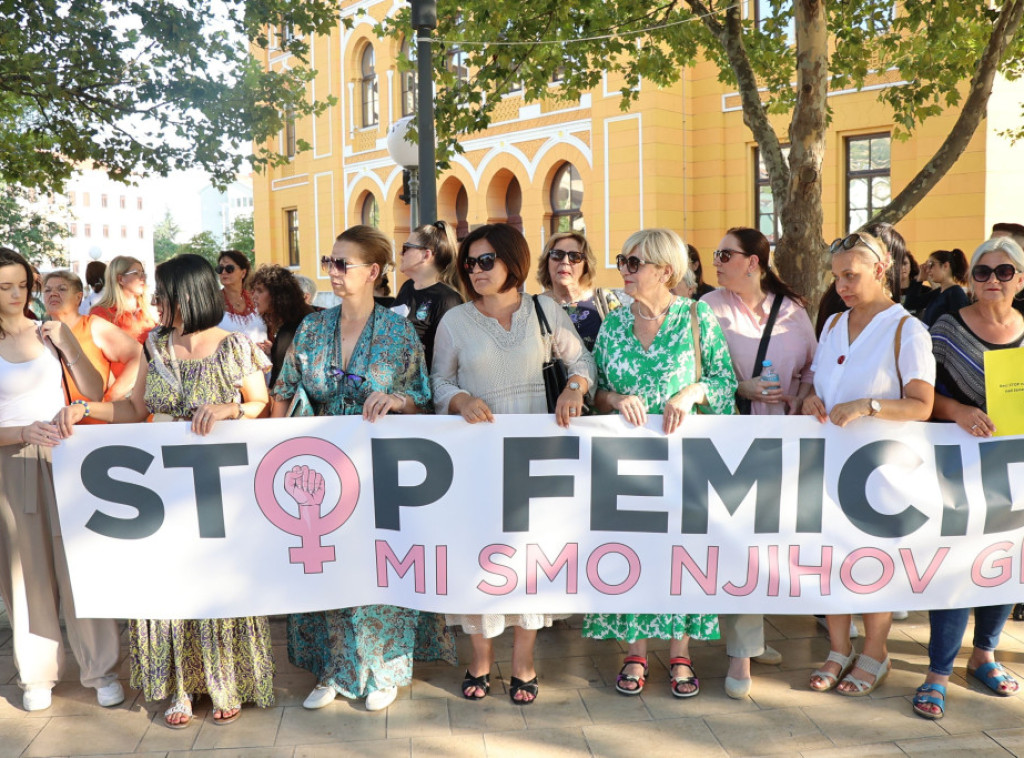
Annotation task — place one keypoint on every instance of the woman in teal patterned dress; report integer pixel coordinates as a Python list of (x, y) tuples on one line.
[(646, 364), (359, 359), (200, 372)]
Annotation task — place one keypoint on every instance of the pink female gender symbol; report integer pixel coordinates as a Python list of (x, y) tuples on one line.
[(306, 486)]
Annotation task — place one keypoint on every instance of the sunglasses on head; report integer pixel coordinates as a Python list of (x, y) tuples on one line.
[(228, 268), (1004, 272), (353, 380), (574, 256), (632, 263), (341, 265), (725, 255), (842, 244), (485, 261)]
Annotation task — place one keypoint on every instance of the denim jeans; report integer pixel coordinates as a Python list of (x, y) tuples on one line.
[(948, 629)]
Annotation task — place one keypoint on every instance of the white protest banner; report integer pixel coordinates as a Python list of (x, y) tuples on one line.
[(730, 514)]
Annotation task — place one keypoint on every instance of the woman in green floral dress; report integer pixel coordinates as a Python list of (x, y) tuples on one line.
[(646, 363), (202, 373)]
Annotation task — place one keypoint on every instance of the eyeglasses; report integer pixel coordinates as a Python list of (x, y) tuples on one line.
[(842, 244), (1004, 272), (407, 246), (226, 269), (341, 265), (574, 256), (486, 262), (725, 255), (632, 263), (353, 380), (135, 272)]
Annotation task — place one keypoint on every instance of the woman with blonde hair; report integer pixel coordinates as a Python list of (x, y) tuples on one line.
[(874, 359), (125, 299)]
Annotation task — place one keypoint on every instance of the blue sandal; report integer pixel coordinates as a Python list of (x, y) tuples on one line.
[(982, 674), (923, 698)]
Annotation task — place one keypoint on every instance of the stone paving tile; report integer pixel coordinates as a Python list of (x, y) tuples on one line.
[(712, 700), (538, 743), (422, 717), (560, 673), (607, 706), (338, 722), (976, 745), (766, 732), (786, 689), (245, 752), (441, 680), (876, 750), (158, 754), (492, 714), (554, 708), (160, 738), (457, 746), (292, 689), (376, 748), (117, 732), (979, 710), (17, 734), (1011, 739), (685, 737), (255, 727), (855, 721), (8, 674)]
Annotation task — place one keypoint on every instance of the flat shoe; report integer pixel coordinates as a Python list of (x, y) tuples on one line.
[(380, 699), (992, 682), (37, 699), (923, 698), (321, 696), (183, 707), (737, 689), (223, 720), (770, 657), (878, 669), (517, 685), (110, 695)]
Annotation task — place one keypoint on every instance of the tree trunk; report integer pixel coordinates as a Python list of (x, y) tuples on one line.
[(799, 253)]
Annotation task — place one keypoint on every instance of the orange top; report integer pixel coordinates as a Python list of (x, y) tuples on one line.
[(83, 333), (137, 324)]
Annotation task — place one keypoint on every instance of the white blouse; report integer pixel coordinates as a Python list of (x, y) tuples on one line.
[(867, 368), (30, 390)]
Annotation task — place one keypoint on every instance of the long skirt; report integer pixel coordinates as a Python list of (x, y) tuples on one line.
[(665, 626)]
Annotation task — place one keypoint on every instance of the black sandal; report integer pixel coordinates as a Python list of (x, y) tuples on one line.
[(471, 682), (517, 685)]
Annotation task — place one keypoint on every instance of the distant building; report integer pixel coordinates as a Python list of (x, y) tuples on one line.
[(219, 210), (107, 219)]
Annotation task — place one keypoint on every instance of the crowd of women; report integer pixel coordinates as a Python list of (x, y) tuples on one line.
[(232, 343)]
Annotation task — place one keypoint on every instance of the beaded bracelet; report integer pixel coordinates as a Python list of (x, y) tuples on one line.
[(83, 404)]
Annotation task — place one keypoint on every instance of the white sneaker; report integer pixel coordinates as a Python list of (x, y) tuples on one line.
[(321, 696), (900, 615), (38, 699), (110, 695), (378, 700)]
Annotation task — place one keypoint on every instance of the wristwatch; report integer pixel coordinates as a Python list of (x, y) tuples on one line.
[(876, 407), (574, 386)]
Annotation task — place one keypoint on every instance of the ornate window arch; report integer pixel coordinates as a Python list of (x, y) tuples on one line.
[(369, 87), (567, 200)]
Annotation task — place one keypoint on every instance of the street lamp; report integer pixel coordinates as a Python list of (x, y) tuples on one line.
[(406, 154), (424, 21)]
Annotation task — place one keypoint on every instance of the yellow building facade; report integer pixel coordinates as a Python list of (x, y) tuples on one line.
[(680, 157)]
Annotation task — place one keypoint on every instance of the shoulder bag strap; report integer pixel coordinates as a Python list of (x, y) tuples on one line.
[(698, 371), (766, 336), (834, 321), (545, 328), (897, 343)]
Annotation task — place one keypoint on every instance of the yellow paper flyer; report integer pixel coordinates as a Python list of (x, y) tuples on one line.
[(1004, 389)]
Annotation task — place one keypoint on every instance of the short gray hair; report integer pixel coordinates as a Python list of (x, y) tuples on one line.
[(662, 247), (998, 244), (307, 285)]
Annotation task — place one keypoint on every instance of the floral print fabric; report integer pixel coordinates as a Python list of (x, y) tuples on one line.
[(655, 375)]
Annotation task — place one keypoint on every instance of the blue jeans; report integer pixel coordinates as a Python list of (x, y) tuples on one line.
[(948, 629)]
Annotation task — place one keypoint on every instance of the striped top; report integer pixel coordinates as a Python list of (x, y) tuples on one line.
[(960, 360)]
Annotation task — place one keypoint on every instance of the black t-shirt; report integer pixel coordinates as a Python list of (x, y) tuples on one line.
[(426, 307)]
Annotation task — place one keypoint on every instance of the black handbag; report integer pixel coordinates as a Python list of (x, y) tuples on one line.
[(555, 374)]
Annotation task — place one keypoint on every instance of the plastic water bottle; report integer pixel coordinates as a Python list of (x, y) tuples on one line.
[(768, 375)]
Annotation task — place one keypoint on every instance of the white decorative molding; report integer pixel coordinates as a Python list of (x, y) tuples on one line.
[(330, 111), (832, 93), (607, 177), (316, 214)]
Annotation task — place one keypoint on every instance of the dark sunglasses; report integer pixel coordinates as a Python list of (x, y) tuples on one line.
[(341, 265), (1004, 272), (632, 263), (353, 380), (226, 269), (724, 256), (486, 262), (561, 255), (407, 246), (842, 244)]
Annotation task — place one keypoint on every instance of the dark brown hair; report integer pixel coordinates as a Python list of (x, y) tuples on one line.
[(287, 301), (239, 259), (956, 260), (755, 244), (10, 258), (511, 248)]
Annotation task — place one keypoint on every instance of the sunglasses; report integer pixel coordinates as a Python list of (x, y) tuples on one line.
[(226, 269), (135, 272), (353, 380), (632, 263), (724, 256), (842, 244), (1004, 272), (407, 246), (574, 256), (341, 265), (486, 262)]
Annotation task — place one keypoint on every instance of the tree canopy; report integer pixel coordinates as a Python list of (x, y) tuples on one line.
[(28, 226), (147, 88), (782, 60)]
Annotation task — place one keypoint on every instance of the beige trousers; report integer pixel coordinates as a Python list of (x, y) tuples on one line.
[(34, 580), (744, 634)]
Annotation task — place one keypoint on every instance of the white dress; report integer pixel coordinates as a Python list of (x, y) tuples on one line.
[(251, 326), (474, 354)]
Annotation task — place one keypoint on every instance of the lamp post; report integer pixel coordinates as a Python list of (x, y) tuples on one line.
[(424, 21), (407, 155)]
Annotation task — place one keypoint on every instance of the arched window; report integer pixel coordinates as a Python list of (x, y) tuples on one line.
[(462, 214), (369, 213), (408, 79), (566, 200), (514, 204), (369, 87)]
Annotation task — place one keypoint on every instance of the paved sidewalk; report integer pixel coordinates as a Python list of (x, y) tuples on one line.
[(578, 713)]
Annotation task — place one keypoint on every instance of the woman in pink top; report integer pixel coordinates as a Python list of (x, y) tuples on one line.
[(743, 304)]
